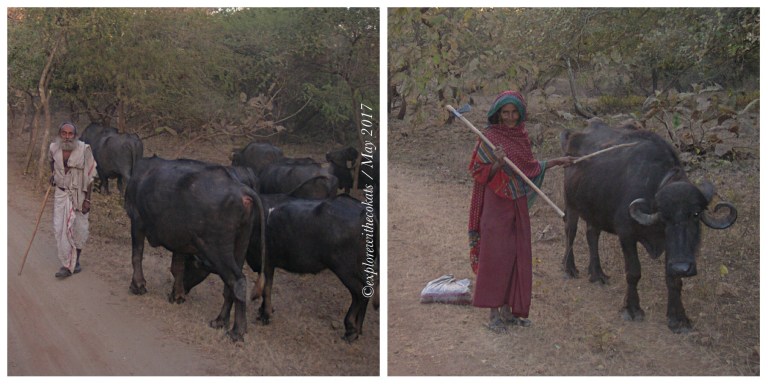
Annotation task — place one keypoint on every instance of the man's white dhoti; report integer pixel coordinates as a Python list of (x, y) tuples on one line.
[(70, 227)]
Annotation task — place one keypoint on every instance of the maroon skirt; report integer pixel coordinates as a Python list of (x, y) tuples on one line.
[(504, 274)]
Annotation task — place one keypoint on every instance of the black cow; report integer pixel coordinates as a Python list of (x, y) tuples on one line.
[(327, 238), (93, 132), (642, 194), (115, 156), (369, 169), (338, 161), (92, 135), (257, 156), (309, 236), (195, 210), (286, 175), (315, 188), (277, 173)]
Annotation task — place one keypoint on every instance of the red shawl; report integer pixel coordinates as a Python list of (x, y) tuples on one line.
[(517, 146)]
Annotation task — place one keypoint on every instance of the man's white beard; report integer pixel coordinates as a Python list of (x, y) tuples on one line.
[(66, 145)]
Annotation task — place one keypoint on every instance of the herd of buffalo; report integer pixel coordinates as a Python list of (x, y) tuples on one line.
[(267, 210), (271, 211)]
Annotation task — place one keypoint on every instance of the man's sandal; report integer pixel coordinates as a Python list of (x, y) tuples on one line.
[(63, 272)]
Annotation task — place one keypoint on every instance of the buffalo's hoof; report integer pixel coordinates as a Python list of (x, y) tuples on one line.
[(600, 277), (236, 337), (572, 272), (138, 290), (177, 299), (219, 323), (350, 336), (263, 316), (633, 314), (682, 326)]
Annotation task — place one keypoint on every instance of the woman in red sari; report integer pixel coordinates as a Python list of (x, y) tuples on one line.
[(499, 225)]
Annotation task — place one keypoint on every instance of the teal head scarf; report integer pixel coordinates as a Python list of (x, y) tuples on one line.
[(505, 98)]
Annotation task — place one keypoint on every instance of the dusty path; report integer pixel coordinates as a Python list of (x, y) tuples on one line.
[(80, 325)]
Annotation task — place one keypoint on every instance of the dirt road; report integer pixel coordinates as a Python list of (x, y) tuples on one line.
[(79, 325)]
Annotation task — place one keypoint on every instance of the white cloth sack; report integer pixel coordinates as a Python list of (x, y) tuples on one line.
[(446, 289)]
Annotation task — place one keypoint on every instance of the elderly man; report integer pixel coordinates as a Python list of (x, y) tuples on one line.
[(73, 169)]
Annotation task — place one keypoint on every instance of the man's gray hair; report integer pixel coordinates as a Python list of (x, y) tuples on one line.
[(64, 124)]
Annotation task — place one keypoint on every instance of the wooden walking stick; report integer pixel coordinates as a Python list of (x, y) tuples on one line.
[(508, 161), (40, 216)]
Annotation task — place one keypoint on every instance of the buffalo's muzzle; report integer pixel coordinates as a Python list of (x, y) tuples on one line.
[(682, 269)]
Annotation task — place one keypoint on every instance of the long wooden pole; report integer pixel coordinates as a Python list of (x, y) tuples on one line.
[(39, 216), (593, 154), (508, 161)]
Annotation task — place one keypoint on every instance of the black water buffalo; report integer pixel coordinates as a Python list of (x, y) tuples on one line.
[(115, 156), (309, 236), (306, 233), (338, 165), (286, 175), (257, 156), (342, 163), (92, 135), (642, 194), (195, 210), (93, 132), (315, 188), (277, 173)]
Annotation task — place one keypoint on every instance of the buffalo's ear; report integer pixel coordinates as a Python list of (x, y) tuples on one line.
[(351, 154), (571, 142), (708, 190)]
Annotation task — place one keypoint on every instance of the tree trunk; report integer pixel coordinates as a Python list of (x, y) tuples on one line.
[(34, 127), (11, 114), (576, 104), (401, 113), (42, 169), (27, 106), (121, 116), (120, 110), (45, 94)]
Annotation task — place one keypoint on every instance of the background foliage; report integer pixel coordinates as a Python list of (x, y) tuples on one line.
[(445, 55), (197, 71)]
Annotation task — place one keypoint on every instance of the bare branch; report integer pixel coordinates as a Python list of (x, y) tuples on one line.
[(296, 113)]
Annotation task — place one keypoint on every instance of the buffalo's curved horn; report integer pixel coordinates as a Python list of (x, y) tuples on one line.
[(720, 222), (641, 217)]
